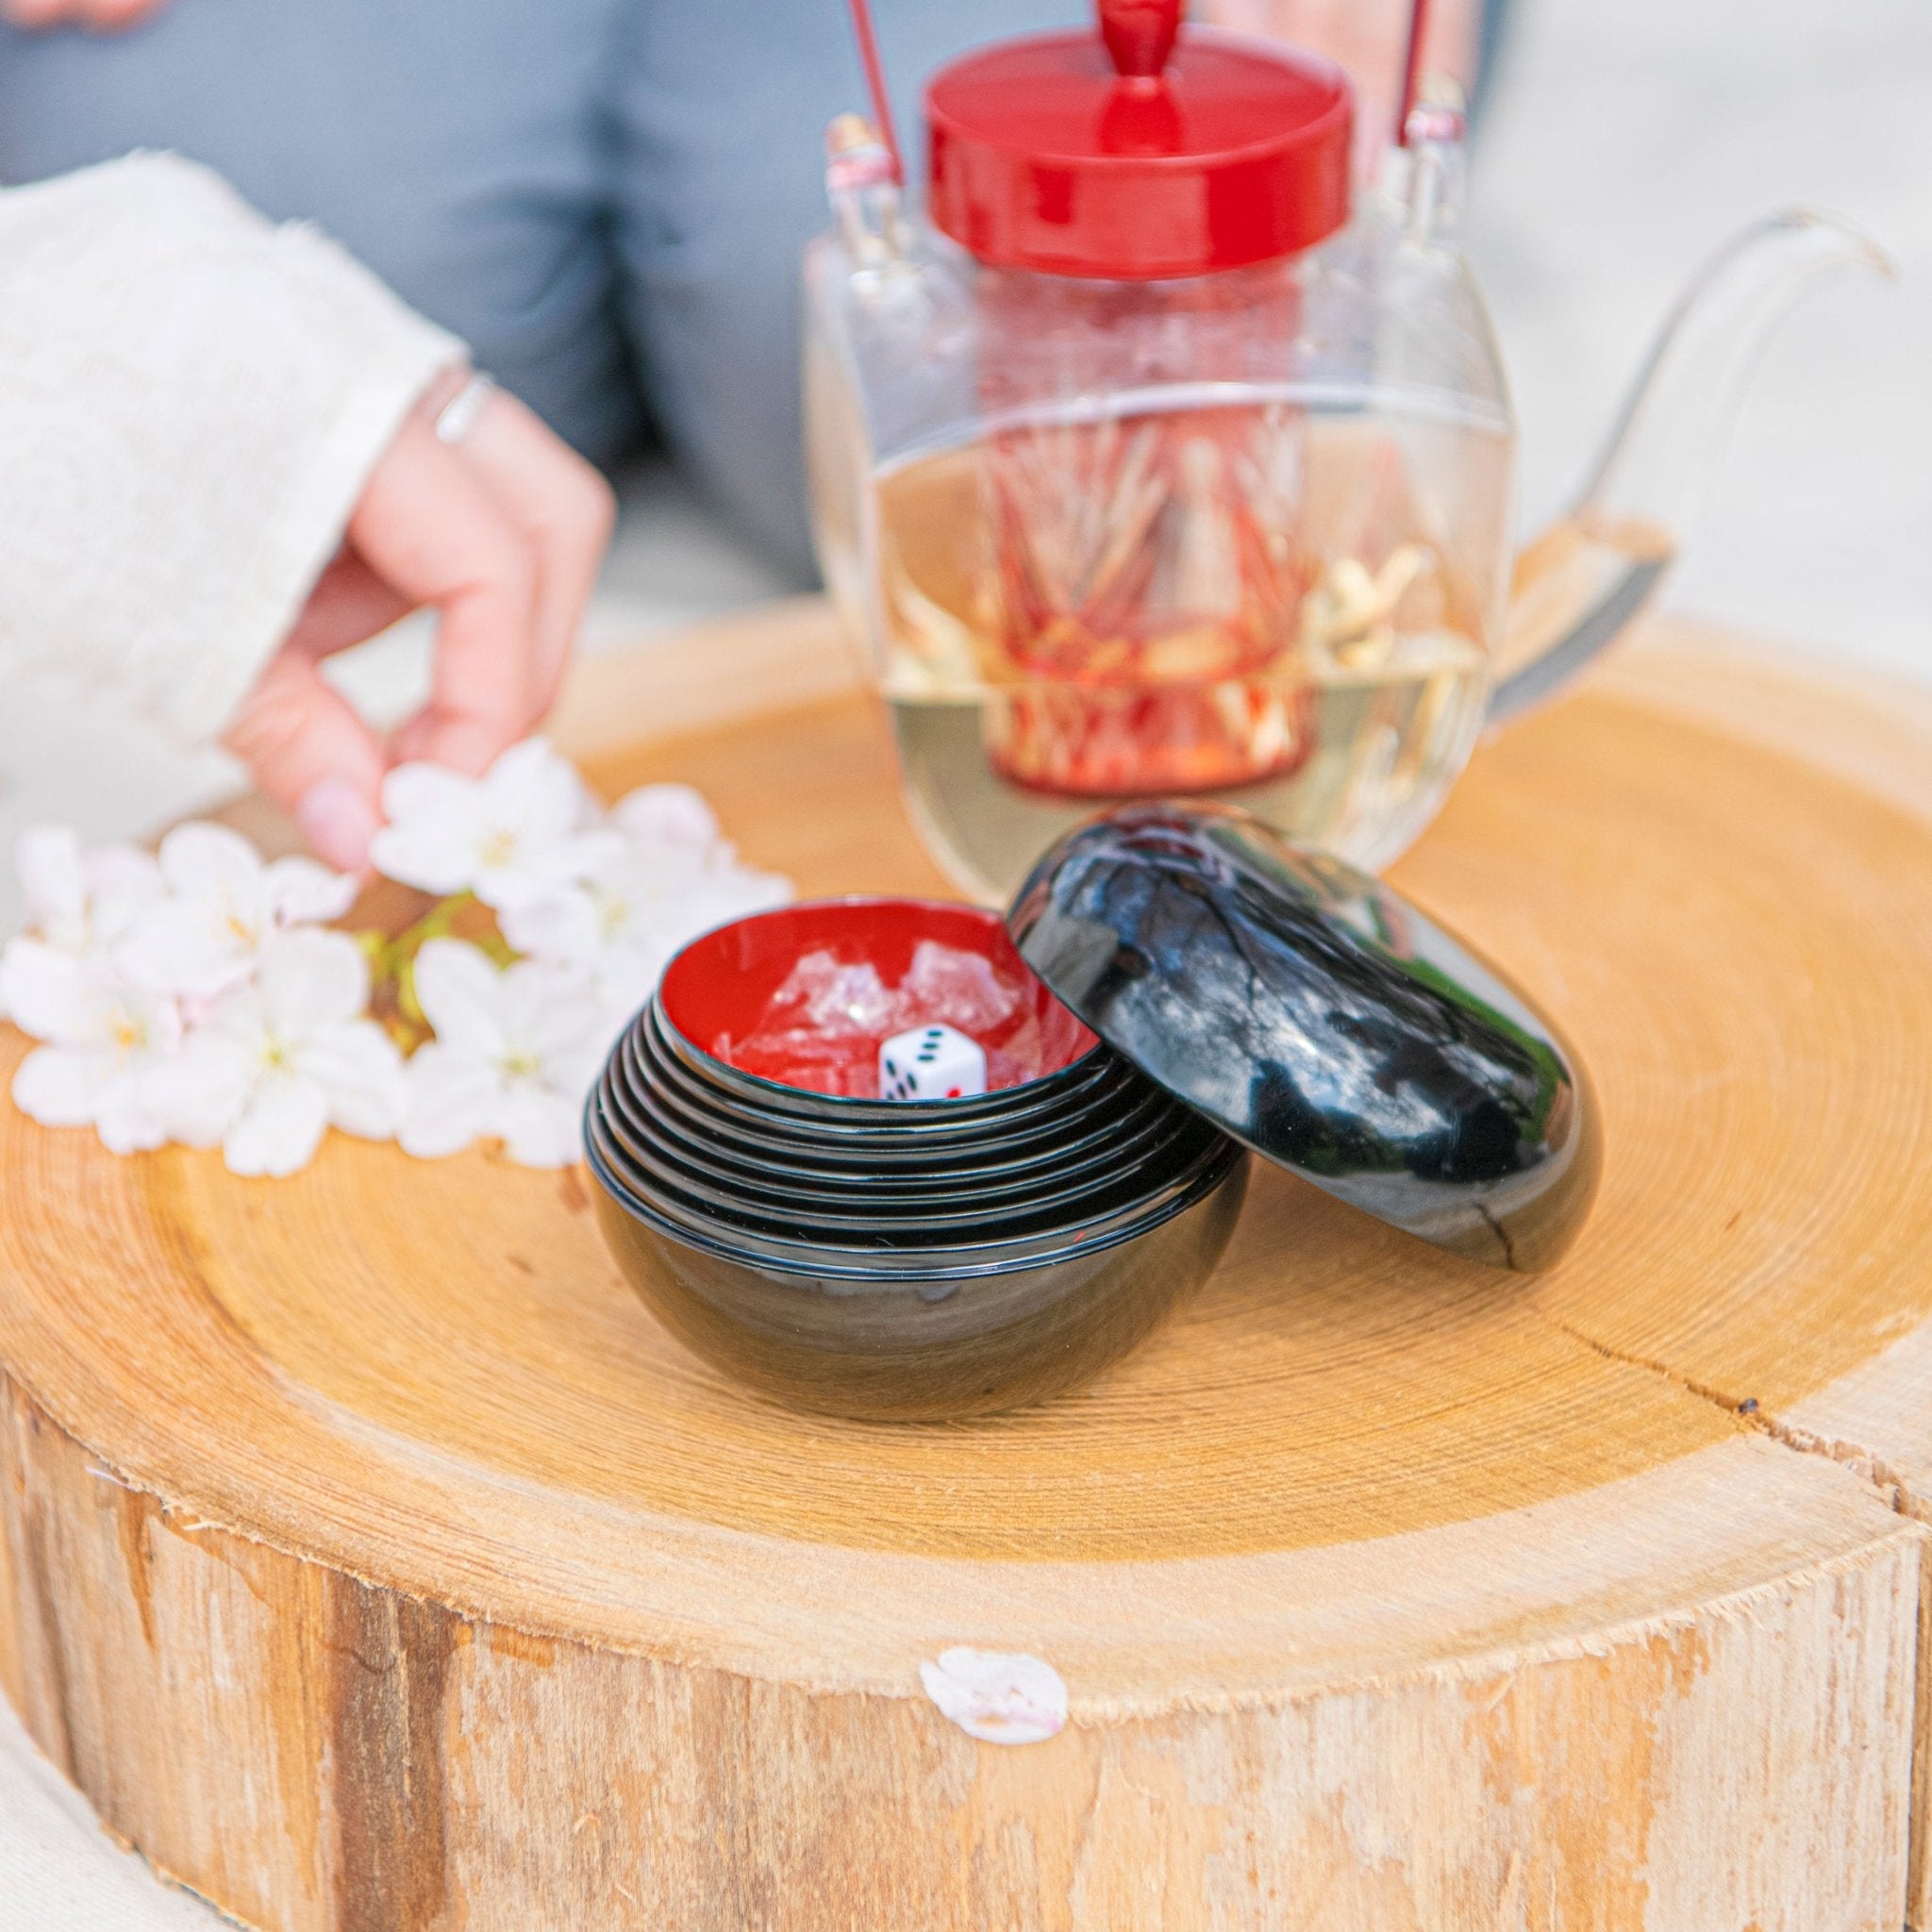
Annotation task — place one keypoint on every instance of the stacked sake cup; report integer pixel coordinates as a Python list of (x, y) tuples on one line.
[(896, 1259)]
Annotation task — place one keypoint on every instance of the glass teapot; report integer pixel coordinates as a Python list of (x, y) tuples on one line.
[(1146, 466)]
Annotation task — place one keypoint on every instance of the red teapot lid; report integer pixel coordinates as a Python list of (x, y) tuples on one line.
[(1139, 152)]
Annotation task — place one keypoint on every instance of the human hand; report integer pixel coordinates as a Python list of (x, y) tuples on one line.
[(96, 16), (501, 534), (1368, 39)]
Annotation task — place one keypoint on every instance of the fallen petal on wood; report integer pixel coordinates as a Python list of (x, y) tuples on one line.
[(1000, 1697)]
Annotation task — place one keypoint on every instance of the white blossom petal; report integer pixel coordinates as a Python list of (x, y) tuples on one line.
[(666, 815), (310, 978), (53, 1084), (722, 897), (204, 860), (300, 891), (450, 1101), (70, 1085), (281, 1127), (573, 1075), (618, 1011), (669, 879), (237, 1015), (621, 997), (186, 946), (540, 864), (422, 792), (114, 1031), (561, 924), (431, 857), (548, 1009), (49, 994), (121, 881), (199, 1092), (520, 830), (540, 787), (513, 1058), (48, 861), (204, 936), (362, 1073), (126, 1115), (460, 992), (999, 1697), (539, 1127)]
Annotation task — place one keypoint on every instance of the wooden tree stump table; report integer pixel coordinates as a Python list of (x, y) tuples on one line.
[(374, 1562)]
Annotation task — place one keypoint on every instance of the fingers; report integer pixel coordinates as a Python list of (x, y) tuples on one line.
[(502, 536), (348, 605), (113, 16), (428, 529), (99, 16), (565, 508), (311, 753)]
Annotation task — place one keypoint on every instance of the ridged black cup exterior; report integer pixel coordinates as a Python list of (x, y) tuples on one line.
[(905, 1262)]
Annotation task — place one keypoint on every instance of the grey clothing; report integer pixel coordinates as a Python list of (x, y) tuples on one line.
[(605, 198)]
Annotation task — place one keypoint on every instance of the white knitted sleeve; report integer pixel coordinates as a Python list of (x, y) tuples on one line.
[(191, 400)]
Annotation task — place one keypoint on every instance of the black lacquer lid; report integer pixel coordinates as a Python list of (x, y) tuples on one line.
[(1313, 1013)]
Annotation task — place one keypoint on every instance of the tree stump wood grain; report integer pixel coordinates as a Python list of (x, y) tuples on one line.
[(374, 1562)]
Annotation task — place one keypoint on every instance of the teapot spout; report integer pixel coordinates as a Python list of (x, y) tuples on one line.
[(1580, 583)]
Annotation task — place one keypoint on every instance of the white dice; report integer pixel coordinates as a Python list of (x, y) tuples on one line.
[(931, 1063)]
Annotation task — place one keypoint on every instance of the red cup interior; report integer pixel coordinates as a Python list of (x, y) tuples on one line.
[(720, 986)]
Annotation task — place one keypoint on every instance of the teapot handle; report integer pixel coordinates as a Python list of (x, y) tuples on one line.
[(1580, 583)]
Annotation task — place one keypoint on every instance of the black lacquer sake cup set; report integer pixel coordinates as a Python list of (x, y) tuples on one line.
[(1197, 988), (897, 1259)]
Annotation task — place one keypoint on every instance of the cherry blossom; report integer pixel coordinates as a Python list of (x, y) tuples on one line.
[(197, 996), (669, 878), (524, 829), (670, 818), (82, 901), (223, 904), (515, 1051), (999, 1697), (106, 1044), (273, 1064)]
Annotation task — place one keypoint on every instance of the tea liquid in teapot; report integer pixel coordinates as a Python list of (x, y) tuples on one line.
[(1080, 611)]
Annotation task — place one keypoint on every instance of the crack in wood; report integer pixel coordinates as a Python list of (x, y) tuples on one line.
[(1891, 1485)]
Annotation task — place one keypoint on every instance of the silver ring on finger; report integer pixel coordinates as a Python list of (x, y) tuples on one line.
[(460, 415)]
